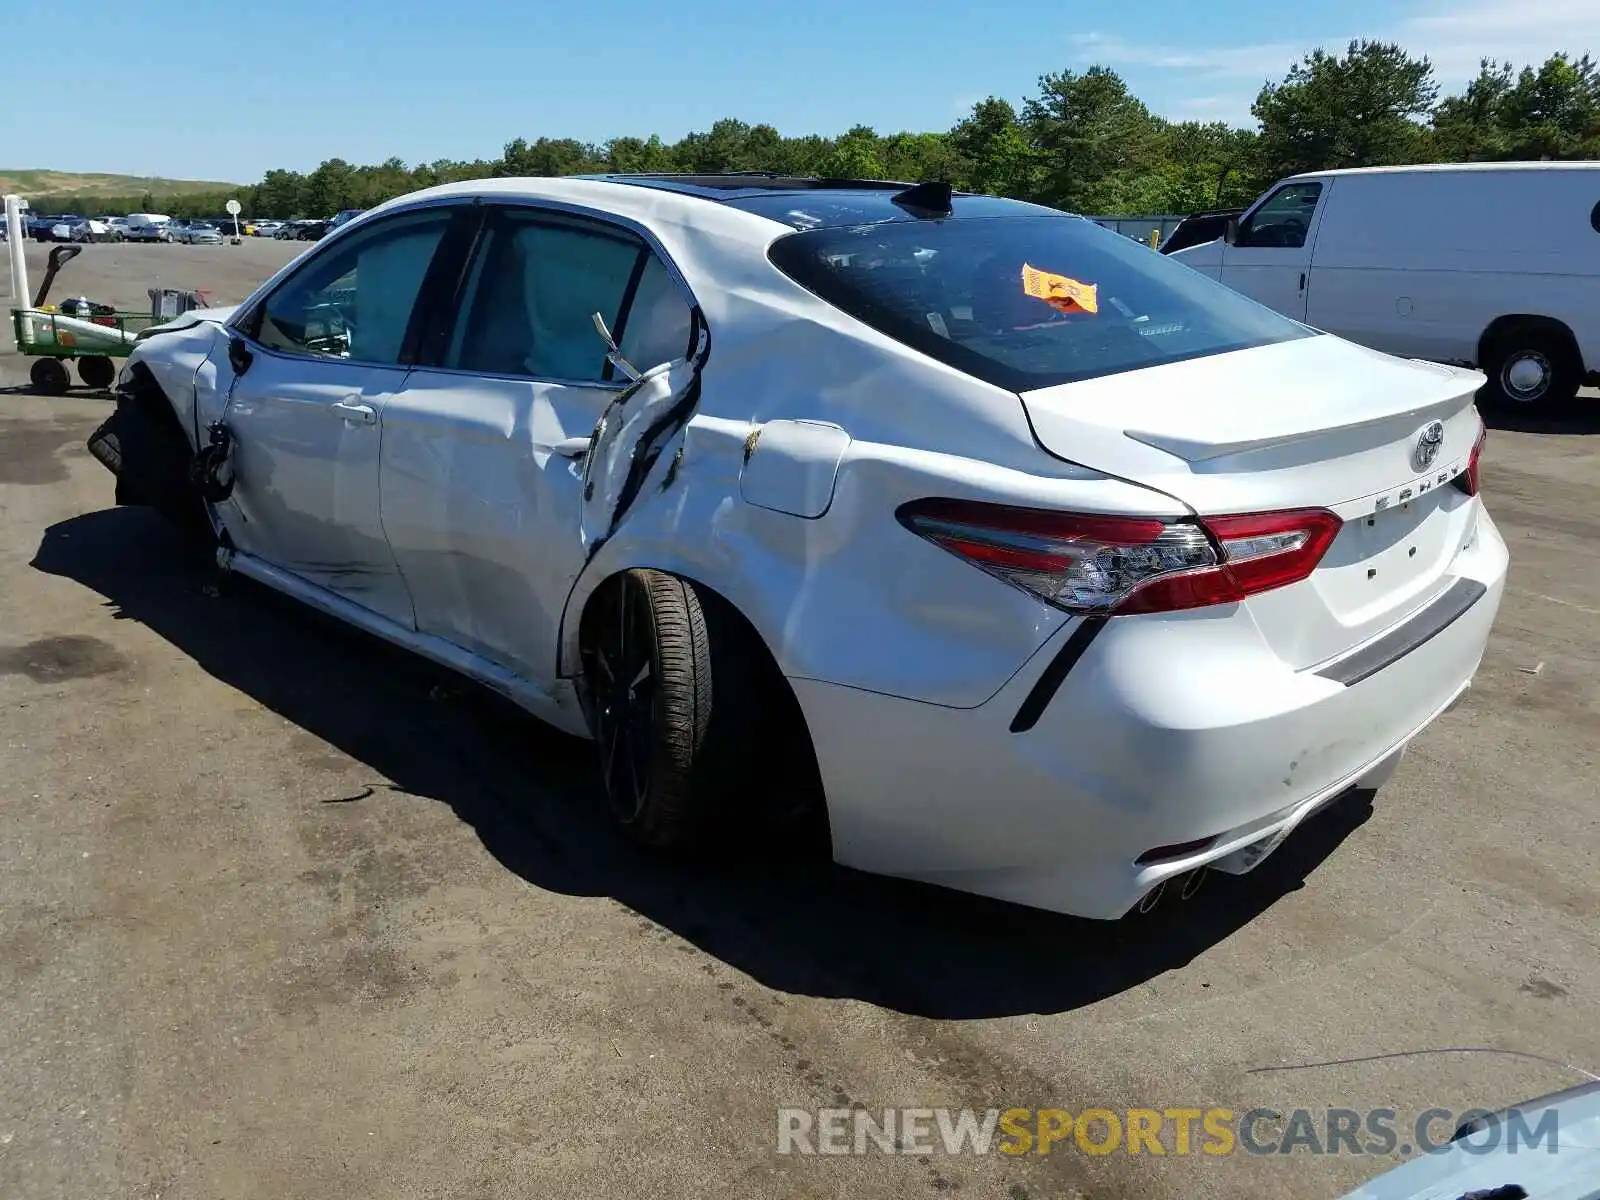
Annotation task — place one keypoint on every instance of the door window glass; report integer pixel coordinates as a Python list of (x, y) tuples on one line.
[(657, 326), (354, 299), (1283, 219), (537, 283)]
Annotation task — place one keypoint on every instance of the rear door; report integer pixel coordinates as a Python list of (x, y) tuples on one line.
[(1270, 257), (496, 480)]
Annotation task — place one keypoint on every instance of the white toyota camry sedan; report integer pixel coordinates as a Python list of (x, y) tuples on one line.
[(1036, 563)]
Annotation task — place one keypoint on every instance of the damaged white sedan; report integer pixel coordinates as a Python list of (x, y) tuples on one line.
[(1010, 555)]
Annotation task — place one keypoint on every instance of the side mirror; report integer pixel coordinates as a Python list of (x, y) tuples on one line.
[(1230, 233), (239, 356)]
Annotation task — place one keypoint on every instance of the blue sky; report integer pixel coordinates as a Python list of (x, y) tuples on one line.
[(198, 93)]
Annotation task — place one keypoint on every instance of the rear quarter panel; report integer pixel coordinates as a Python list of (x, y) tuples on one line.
[(851, 596)]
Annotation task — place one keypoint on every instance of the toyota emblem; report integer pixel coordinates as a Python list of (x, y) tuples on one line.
[(1429, 439)]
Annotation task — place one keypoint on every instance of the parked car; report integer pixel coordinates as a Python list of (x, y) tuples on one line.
[(148, 227), (1491, 265), (119, 227), (84, 229), (288, 231), (344, 216), (311, 231), (74, 228), (43, 228), (196, 233), (1199, 228), (1060, 571), (265, 228)]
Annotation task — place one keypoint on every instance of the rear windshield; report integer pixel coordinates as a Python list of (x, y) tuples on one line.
[(1026, 302)]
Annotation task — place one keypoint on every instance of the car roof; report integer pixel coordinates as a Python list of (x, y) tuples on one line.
[(753, 206), (811, 202)]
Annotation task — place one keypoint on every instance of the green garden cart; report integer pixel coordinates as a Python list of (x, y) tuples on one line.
[(93, 334)]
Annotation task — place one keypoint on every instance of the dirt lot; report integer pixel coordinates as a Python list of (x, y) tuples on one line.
[(285, 914)]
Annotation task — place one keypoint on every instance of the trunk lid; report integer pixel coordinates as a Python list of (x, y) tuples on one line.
[(1315, 422)]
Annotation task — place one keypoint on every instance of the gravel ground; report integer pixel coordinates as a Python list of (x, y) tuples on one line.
[(286, 914)]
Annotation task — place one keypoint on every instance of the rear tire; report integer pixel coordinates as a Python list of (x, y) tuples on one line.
[(1532, 367), (49, 377), (671, 698)]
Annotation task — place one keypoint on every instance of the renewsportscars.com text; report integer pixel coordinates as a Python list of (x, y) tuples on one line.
[(1215, 1132)]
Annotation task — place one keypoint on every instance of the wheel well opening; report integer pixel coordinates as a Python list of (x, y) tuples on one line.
[(1513, 325), (789, 778)]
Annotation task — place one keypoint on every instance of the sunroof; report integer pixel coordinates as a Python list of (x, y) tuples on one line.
[(749, 181)]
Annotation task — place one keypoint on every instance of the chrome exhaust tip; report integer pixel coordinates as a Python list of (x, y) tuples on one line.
[(1148, 902)]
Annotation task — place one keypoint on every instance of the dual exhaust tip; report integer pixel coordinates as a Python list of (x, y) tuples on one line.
[(1176, 890)]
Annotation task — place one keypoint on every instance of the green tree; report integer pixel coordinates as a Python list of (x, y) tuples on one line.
[(328, 189), (801, 155), (1467, 127), (1091, 135), (638, 154), (992, 152), (1552, 112), (918, 157), (763, 147), (855, 156), (726, 146), (1207, 165), (546, 157), (1357, 110)]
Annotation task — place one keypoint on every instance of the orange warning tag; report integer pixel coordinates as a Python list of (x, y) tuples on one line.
[(1059, 292)]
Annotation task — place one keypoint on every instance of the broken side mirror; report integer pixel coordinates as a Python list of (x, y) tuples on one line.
[(239, 356), (613, 354)]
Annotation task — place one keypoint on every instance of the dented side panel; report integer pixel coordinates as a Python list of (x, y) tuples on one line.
[(848, 597), (305, 464), (481, 480), (628, 441), (182, 362)]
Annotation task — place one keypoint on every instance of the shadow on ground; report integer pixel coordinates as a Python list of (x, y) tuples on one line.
[(1582, 416), (531, 795)]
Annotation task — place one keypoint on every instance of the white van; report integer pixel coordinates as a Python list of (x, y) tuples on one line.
[(147, 227), (1491, 265)]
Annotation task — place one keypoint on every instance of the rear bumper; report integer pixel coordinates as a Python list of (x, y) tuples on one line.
[(1167, 730)]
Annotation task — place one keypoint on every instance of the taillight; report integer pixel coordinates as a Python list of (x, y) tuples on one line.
[(1467, 481), (1088, 563)]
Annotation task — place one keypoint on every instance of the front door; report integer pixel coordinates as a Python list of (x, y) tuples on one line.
[(1270, 257), (306, 415), (484, 453)]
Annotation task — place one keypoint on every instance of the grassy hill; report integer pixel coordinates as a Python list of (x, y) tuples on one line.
[(73, 183)]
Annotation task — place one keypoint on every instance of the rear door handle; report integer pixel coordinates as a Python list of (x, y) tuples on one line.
[(1302, 281), (351, 409)]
